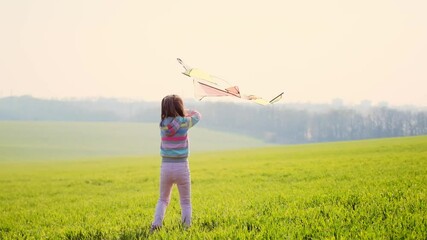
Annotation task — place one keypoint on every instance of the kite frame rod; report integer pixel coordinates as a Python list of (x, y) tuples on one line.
[(224, 91), (272, 100)]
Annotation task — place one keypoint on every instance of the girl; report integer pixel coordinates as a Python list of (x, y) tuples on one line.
[(174, 124)]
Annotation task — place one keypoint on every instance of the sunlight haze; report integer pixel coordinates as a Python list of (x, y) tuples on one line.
[(314, 51)]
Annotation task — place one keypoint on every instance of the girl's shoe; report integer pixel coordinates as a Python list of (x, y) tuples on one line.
[(154, 228)]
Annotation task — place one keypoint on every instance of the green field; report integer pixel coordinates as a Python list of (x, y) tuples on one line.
[(373, 189)]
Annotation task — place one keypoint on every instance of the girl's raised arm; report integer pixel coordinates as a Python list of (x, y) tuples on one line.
[(192, 116)]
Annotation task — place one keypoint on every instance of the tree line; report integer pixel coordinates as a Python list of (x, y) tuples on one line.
[(280, 123)]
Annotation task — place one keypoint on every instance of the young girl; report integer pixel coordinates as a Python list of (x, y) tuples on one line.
[(174, 124)]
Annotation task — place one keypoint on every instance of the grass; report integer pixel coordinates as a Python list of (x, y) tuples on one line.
[(373, 189)]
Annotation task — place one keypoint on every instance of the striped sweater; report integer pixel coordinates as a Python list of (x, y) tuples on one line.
[(174, 138)]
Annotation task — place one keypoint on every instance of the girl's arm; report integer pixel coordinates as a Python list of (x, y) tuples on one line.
[(192, 116)]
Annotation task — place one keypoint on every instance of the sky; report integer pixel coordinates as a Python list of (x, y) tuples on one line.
[(314, 51)]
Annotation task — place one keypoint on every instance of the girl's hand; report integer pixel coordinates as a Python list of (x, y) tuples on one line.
[(188, 112)]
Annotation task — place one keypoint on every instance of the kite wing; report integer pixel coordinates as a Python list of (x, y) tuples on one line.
[(206, 85)]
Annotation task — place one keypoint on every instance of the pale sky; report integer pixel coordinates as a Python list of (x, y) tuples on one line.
[(314, 51)]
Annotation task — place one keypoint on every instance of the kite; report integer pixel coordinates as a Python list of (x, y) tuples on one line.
[(206, 85)]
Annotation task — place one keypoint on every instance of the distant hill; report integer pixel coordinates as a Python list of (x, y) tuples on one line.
[(282, 123), (70, 140)]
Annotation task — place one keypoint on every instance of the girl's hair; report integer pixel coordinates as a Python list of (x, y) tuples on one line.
[(172, 106)]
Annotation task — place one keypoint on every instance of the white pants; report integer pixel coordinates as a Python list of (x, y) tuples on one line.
[(174, 173)]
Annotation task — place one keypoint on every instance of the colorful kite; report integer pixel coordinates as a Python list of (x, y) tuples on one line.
[(206, 85)]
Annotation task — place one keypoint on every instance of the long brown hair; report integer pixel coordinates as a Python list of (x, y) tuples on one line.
[(172, 106)]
